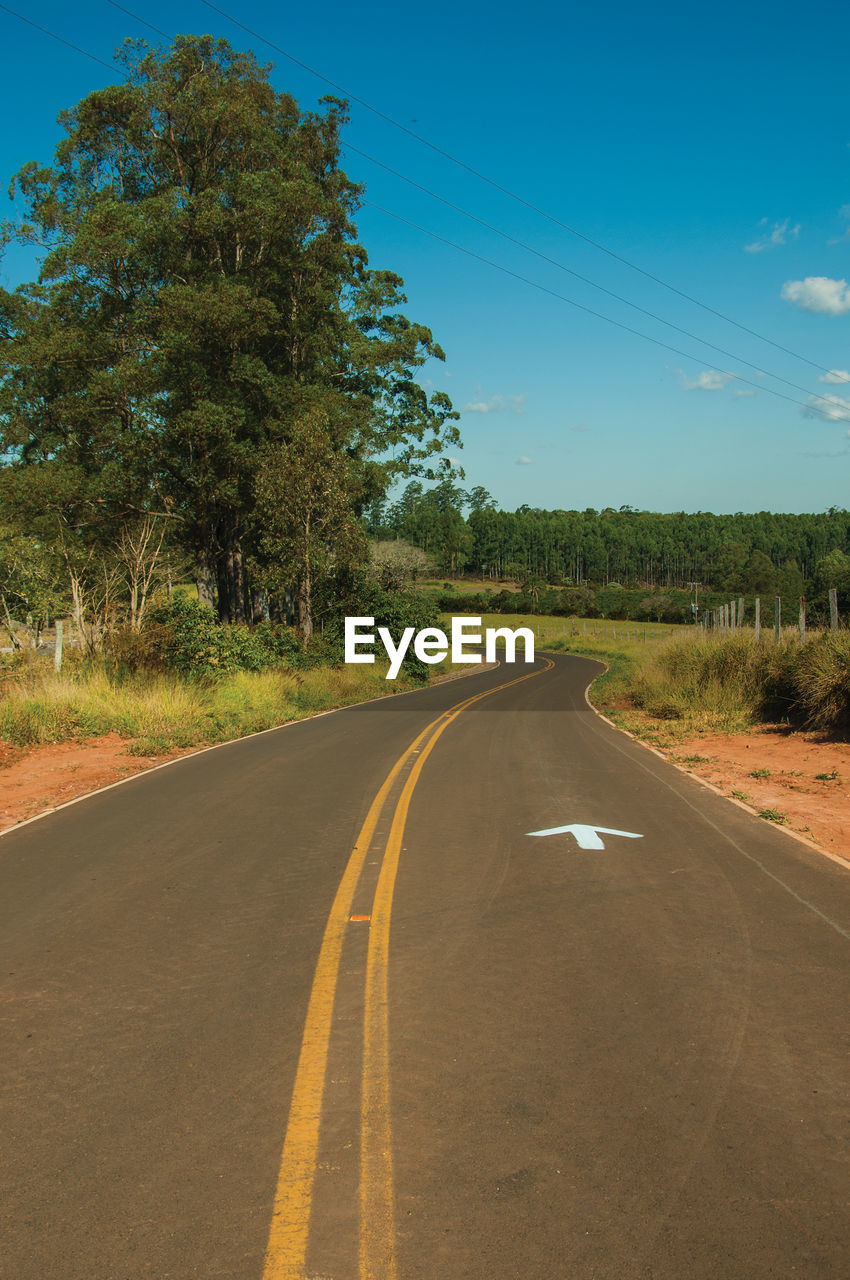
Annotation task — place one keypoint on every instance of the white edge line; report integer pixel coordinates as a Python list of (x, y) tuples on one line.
[(276, 728), (788, 831)]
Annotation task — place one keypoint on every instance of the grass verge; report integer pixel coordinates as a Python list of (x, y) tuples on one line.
[(163, 713), (708, 683)]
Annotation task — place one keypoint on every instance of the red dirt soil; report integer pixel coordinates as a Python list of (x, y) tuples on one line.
[(36, 779), (800, 777)]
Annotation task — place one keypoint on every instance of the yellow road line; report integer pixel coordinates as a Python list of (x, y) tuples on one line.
[(286, 1253), (377, 1212)]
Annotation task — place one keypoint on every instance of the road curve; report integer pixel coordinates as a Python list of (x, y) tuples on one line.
[(316, 1004)]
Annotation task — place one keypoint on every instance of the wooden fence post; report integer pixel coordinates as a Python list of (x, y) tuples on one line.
[(740, 611), (833, 609), (758, 618), (802, 618), (57, 652), (733, 613), (777, 617), (31, 639)]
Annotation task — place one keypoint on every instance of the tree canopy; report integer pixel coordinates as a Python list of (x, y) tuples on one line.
[(202, 296)]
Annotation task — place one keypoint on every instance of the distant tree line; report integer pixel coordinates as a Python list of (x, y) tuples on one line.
[(595, 556), (466, 532)]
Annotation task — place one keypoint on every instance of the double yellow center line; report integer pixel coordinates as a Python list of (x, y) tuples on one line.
[(286, 1255)]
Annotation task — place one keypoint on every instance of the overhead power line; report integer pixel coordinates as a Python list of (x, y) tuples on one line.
[(513, 195), (53, 36), (499, 267), (561, 297), (138, 18), (544, 257), (496, 230)]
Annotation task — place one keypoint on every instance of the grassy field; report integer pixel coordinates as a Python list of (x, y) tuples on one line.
[(466, 586), (547, 629)]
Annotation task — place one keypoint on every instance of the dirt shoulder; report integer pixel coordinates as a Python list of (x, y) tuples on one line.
[(36, 779), (798, 780)]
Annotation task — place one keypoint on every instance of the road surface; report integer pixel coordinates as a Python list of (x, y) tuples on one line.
[(317, 1004)]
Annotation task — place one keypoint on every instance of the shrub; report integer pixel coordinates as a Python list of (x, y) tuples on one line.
[(821, 680), (284, 643), (394, 610), (185, 636)]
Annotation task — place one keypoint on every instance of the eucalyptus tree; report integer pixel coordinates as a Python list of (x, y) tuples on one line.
[(200, 282)]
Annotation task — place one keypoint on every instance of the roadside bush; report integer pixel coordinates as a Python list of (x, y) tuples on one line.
[(185, 636), (821, 681), (283, 643), (724, 680), (394, 610)]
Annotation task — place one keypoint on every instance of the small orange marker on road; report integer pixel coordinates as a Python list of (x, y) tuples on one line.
[(356, 919)]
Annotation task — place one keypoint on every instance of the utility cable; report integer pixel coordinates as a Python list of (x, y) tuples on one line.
[(109, 66), (144, 21), (513, 195), (348, 146), (638, 333), (578, 276), (505, 270)]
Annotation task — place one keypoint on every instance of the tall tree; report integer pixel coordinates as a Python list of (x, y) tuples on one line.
[(201, 274)]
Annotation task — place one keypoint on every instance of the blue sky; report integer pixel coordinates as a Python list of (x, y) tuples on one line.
[(709, 146)]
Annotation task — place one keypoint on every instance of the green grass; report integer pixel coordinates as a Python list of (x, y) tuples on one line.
[(160, 713), (693, 682), (598, 633), (773, 815)]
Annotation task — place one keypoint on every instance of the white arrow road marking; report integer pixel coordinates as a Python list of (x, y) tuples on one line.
[(587, 837)]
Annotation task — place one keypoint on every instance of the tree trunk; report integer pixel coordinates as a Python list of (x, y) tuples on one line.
[(289, 607), (305, 607), (204, 577), (231, 583)]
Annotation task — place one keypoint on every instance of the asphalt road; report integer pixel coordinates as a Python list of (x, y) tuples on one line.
[(316, 1004)]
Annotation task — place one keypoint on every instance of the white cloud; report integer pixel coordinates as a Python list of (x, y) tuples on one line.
[(741, 392), (827, 453), (709, 380), (497, 404), (522, 461), (836, 408), (776, 236), (835, 375), (818, 294)]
